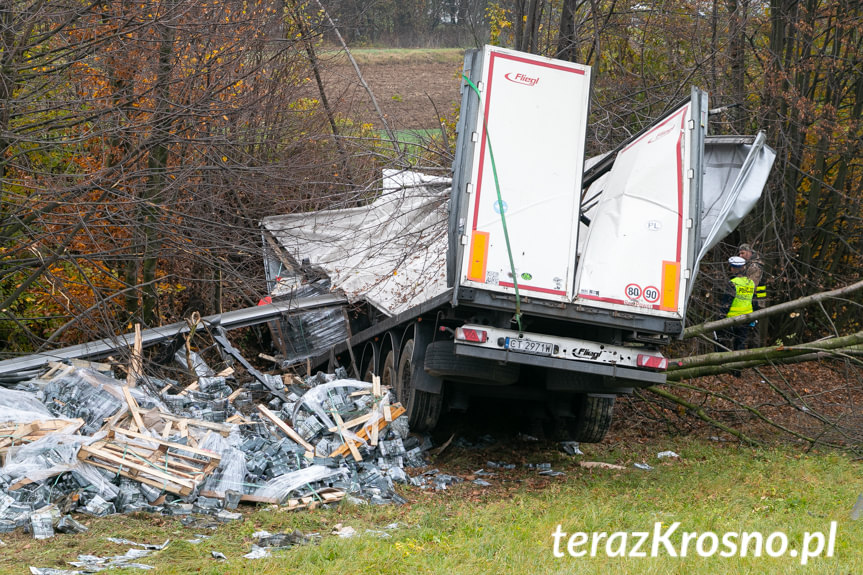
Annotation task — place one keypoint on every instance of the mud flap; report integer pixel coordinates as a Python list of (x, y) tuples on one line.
[(423, 336)]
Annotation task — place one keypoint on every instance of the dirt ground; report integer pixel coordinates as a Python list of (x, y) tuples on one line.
[(412, 91)]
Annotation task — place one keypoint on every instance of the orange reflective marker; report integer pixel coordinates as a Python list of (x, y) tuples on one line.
[(478, 256), (670, 286)]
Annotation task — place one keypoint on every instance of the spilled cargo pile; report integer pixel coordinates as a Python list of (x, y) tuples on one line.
[(77, 440)]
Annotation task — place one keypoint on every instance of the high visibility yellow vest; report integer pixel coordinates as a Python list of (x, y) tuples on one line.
[(744, 289)]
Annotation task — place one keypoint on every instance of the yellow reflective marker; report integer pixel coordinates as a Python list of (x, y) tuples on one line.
[(478, 256), (670, 286)]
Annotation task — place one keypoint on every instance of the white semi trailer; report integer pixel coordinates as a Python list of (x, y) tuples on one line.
[(524, 275)]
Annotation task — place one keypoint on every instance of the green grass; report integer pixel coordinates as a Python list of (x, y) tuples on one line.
[(507, 528)]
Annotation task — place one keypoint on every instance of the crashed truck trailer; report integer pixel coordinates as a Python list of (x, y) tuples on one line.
[(524, 276)]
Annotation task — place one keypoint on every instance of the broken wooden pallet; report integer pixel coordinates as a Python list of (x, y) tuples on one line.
[(12, 434), (392, 411), (169, 466)]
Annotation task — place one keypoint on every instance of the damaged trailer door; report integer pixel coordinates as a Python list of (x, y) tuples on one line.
[(639, 253), (735, 171)]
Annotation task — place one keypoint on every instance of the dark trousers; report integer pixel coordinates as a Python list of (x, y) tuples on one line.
[(733, 338), (738, 336)]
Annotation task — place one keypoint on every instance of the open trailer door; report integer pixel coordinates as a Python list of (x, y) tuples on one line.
[(639, 255), (523, 141)]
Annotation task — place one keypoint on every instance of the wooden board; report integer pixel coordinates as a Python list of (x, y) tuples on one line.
[(287, 429), (396, 410)]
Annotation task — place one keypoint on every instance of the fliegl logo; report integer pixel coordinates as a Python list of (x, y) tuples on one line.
[(520, 78)]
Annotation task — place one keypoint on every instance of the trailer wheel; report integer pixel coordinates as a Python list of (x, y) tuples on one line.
[(423, 408), (369, 361), (592, 419), (388, 370), (441, 361)]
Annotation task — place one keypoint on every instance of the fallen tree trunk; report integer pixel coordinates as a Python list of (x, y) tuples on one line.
[(710, 326), (704, 370), (762, 355)]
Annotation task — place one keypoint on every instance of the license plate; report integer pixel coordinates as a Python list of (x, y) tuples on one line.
[(529, 346)]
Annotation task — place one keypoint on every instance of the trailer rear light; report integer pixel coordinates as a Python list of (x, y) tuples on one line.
[(652, 361), (472, 335)]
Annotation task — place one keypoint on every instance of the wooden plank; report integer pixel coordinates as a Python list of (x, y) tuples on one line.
[(353, 422), (236, 394), (287, 429), (349, 442), (251, 498), (376, 386), (192, 387), (114, 420), (171, 444), (136, 363), (133, 405), (166, 431), (220, 427), (374, 435), (397, 410)]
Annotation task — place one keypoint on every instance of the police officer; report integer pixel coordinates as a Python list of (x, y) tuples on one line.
[(737, 300)]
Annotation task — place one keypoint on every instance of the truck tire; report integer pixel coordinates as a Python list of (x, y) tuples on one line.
[(441, 361), (388, 370), (423, 408), (593, 414)]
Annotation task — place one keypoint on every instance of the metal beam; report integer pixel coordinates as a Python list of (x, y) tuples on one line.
[(229, 320)]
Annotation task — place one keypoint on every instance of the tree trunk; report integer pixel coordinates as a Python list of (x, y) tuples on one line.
[(701, 329), (567, 47), (157, 164)]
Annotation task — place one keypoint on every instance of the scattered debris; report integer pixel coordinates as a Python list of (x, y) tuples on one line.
[(664, 454), (599, 465), (344, 531), (93, 563), (150, 546), (257, 553), (526, 437), (265, 542), (481, 482), (570, 448), (480, 443), (433, 478), (78, 440), (642, 466), (218, 555), (551, 473), (500, 465), (857, 510)]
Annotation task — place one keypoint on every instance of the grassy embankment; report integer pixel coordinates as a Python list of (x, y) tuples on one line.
[(507, 528)]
